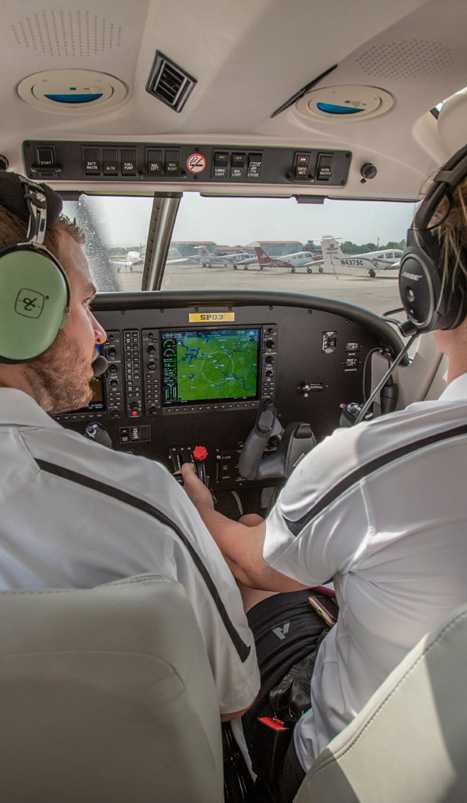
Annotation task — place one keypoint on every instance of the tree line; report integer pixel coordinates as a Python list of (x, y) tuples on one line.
[(349, 247)]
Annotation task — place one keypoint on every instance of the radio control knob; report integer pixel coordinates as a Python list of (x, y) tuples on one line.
[(151, 365), (269, 359), (270, 343), (151, 349)]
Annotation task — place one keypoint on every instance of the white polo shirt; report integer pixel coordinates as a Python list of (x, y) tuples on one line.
[(382, 509), (76, 514)]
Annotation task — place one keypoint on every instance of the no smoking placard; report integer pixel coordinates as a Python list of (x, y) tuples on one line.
[(196, 163)]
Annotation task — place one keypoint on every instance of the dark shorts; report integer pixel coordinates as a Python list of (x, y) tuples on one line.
[(286, 630), (287, 634)]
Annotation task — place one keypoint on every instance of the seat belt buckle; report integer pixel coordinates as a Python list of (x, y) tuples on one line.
[(273, 739)]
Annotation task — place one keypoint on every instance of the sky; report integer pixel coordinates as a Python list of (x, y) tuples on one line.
[(124, 221)]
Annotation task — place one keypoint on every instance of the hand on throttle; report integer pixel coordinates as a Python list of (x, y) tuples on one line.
[(198, 492)]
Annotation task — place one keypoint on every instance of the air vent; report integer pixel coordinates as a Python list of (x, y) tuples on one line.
[(169, 83), (345, 103)]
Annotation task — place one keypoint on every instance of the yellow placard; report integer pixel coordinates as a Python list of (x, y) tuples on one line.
[(211, 317)]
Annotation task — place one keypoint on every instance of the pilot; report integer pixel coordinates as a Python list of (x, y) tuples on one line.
[(75, 513), (380, 508)]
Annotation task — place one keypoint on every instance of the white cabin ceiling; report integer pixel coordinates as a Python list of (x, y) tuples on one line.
[(248, 57)]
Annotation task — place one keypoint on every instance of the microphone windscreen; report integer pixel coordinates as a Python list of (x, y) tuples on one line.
[(100, 365)]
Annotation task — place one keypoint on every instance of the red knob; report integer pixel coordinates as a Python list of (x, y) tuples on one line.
[(200, 454)]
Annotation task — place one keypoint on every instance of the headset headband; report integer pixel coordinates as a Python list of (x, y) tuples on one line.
[(451, 175)]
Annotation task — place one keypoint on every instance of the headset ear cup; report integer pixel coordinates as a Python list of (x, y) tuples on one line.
[(419, 288), (34, 301)]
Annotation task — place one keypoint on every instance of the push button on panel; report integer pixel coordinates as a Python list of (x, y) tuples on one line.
[(154, 163), (92, 162), (221, 164), (45, 156), (110, 162), (172, 163), (238, 165), (302, 165), (324, 172), (128, 163)]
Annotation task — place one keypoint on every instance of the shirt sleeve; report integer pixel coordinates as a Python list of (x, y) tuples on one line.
[(319, 522)]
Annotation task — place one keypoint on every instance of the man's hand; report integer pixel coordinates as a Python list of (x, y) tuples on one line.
[(241, 545), (199, 494)]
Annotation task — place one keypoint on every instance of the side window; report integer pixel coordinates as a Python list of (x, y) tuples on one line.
[(116, 230)]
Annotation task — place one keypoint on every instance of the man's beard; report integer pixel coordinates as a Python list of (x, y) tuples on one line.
[(59, 378)]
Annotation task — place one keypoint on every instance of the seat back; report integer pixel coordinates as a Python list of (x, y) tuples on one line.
[(409, 743), (106, 696)]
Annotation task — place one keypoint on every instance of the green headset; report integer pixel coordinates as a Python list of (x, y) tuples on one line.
[(34, 289)]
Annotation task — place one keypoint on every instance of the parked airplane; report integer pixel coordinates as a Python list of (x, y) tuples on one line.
[(203, 257), (132, 259), (372, 261), (236, 258), (299, 259)]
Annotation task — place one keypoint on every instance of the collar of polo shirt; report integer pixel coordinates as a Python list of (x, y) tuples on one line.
[(17, 407), (456, 390)]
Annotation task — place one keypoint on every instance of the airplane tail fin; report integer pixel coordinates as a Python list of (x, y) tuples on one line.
[(263, 258), (331, 248)]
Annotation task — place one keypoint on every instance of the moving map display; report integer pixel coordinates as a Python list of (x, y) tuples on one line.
[(201, 365)]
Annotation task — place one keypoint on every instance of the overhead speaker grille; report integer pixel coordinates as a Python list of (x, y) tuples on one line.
[(405, 59), (169, 83), (61, 32)]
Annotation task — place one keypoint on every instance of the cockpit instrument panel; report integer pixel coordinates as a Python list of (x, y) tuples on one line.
[(185, 372)]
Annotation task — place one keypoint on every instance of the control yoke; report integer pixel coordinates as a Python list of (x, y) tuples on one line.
[(296, 440)]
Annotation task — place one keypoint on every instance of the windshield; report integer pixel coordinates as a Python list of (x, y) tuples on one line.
[(345, 250)]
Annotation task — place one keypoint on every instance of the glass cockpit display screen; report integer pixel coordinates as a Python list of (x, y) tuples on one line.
[(202, 365), (96, 403)]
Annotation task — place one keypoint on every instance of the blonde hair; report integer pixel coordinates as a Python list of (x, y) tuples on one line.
[(452, 234)]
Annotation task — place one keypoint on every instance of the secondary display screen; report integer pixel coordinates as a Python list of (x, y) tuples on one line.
[(97, 401), (202, 365)]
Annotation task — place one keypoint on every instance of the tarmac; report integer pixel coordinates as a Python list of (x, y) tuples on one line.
[(378, 295)]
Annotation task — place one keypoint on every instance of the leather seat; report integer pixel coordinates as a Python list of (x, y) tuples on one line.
[(106, 696), (409, 743)]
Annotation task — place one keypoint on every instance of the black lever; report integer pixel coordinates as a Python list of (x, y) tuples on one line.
[(295, 441), (266, 426)]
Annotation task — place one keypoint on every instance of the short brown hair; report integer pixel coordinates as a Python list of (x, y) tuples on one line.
[(13, 230)]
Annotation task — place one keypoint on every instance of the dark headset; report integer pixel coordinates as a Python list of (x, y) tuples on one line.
[(34, 289), (429, 302)]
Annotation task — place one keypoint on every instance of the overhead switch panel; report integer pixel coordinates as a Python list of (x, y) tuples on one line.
[(184, 164)]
